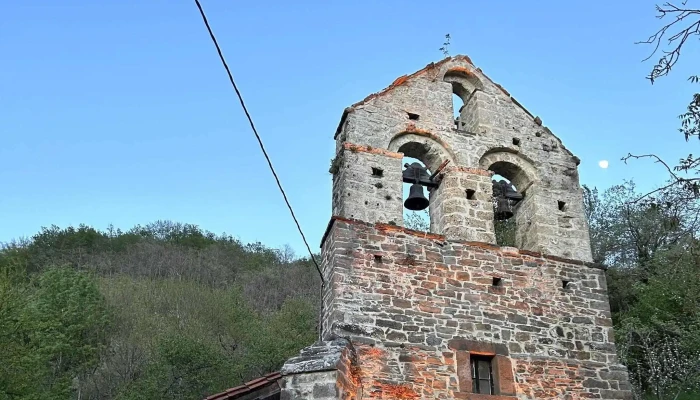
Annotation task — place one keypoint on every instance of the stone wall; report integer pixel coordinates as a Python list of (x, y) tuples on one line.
[(415, 306), (415, 116)]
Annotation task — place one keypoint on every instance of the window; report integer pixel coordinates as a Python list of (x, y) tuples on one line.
[(483, 368), (482, 375)]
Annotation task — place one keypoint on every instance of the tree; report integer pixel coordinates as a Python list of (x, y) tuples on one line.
[(658, 335), (52, 334), (651, 247)]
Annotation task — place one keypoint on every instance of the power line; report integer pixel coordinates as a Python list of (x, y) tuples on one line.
[(257, 136)]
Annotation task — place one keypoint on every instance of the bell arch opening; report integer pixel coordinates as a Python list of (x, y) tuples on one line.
[(511, 204), (504, 223), (464, 83), (457, 104), (423, 154), (416, 214), (415, 196)]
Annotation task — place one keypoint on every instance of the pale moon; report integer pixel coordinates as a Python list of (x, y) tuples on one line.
[(603, 164)]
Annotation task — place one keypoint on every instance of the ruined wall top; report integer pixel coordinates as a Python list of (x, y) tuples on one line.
[(415, 117)]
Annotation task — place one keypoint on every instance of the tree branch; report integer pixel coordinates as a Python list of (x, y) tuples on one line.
[(676, 40), (690, 184)]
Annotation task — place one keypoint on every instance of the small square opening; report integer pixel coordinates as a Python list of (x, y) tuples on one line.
[(516, 141), (378, 172), (497, 281), (377, 258), (470, 194), (565, 284), (561, 205), (413, 116)]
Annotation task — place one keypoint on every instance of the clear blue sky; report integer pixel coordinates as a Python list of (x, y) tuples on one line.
[(120, 112)]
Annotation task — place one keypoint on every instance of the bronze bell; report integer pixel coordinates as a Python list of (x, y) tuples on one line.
[(503, 209), (505, 197), (416, 200)]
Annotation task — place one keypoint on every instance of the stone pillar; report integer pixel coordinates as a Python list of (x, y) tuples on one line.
[(367, 184), (461, 207), (474, 114)]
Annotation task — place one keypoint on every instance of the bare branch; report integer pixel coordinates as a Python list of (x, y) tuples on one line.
[(689, 17), (654, 156), (690, 184)]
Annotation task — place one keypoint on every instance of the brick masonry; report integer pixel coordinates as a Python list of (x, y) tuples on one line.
[(412, 302)]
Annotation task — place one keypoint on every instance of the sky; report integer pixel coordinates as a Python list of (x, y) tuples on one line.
[(119, 112)]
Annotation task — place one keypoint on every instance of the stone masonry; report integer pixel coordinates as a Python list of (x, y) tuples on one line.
[(404, 312)]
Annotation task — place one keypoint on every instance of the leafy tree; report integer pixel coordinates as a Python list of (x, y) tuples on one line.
[(651, 246), (658, 335), (182, 368), (52, 334)]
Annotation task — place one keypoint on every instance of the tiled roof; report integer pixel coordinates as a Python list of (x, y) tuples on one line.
[(247, 388)]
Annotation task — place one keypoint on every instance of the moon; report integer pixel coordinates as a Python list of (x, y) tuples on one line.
[(603, 164)]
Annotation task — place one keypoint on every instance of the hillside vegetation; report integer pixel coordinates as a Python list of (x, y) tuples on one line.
[(169, 311), (163, 311)]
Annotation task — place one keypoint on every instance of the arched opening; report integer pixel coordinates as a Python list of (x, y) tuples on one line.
[(519, 175), (464, 83), (457, 104), (504, 228), (429, 151), (417, 161), (510, 185), (416, 220), (460, 96)]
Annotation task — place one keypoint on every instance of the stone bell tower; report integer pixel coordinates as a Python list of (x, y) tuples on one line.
[(449, 314)]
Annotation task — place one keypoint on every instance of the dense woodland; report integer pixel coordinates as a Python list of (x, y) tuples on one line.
[(169, 311), (163, 311)]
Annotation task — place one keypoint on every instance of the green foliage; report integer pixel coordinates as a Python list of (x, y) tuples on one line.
[(181, 368), (652, 249), (505, 232), (52, 332), (164, 310)]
